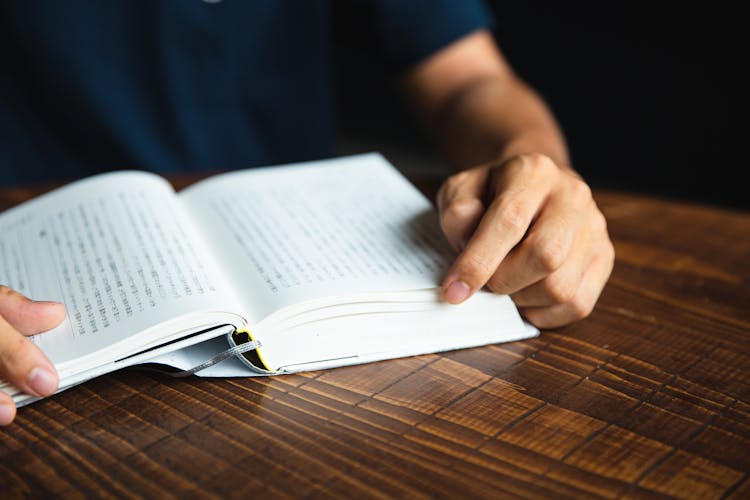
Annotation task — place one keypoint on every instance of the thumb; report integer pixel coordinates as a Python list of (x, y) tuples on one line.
[(460, 205), (26, 316), (23, 364)]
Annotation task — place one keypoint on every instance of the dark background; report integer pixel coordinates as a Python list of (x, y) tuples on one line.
[(650, 98)]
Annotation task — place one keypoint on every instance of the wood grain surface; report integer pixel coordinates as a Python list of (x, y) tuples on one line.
[(649, 397)]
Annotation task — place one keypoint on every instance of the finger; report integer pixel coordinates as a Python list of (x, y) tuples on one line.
[(553, 242), (7, 409), (556, 288), (561, 286), (581, 304), (460, 205), (521, 190), (27, 316), (23, 364)]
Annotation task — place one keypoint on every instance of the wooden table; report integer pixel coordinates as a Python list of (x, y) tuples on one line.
[(648, 397)]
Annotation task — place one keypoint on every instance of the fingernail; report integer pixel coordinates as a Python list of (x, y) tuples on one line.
[(42, 381), (457, 292), (7, 413)]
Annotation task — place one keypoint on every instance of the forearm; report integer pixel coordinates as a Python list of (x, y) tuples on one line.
[(496, 118), (477, 109)]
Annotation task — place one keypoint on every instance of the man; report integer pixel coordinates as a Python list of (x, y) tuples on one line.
[(175, 86)]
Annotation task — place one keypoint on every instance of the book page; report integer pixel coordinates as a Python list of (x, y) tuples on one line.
[(118, 251), (334, 227), (315, 341)]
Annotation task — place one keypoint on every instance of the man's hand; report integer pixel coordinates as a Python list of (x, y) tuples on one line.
[(21, 362), (527, 228), (525, 224)]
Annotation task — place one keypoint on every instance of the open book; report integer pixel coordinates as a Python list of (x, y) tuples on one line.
[(281, 269)]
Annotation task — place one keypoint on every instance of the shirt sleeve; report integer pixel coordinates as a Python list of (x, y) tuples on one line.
[(401, 33)]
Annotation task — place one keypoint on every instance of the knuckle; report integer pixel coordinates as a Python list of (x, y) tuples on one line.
[(513, 217), (540, 164), (559, 291), (549, 254), (522, 165), (580, 308), (461, 208), (460, 216), (460, 178), (609, 251), (580, 192), (599, 229), (454, 182), (447, 188), (599, 224)]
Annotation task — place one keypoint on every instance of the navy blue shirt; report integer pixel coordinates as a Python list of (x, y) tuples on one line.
[(186, 85)]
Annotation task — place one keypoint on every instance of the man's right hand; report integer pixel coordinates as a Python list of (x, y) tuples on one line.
[(21, 362)]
